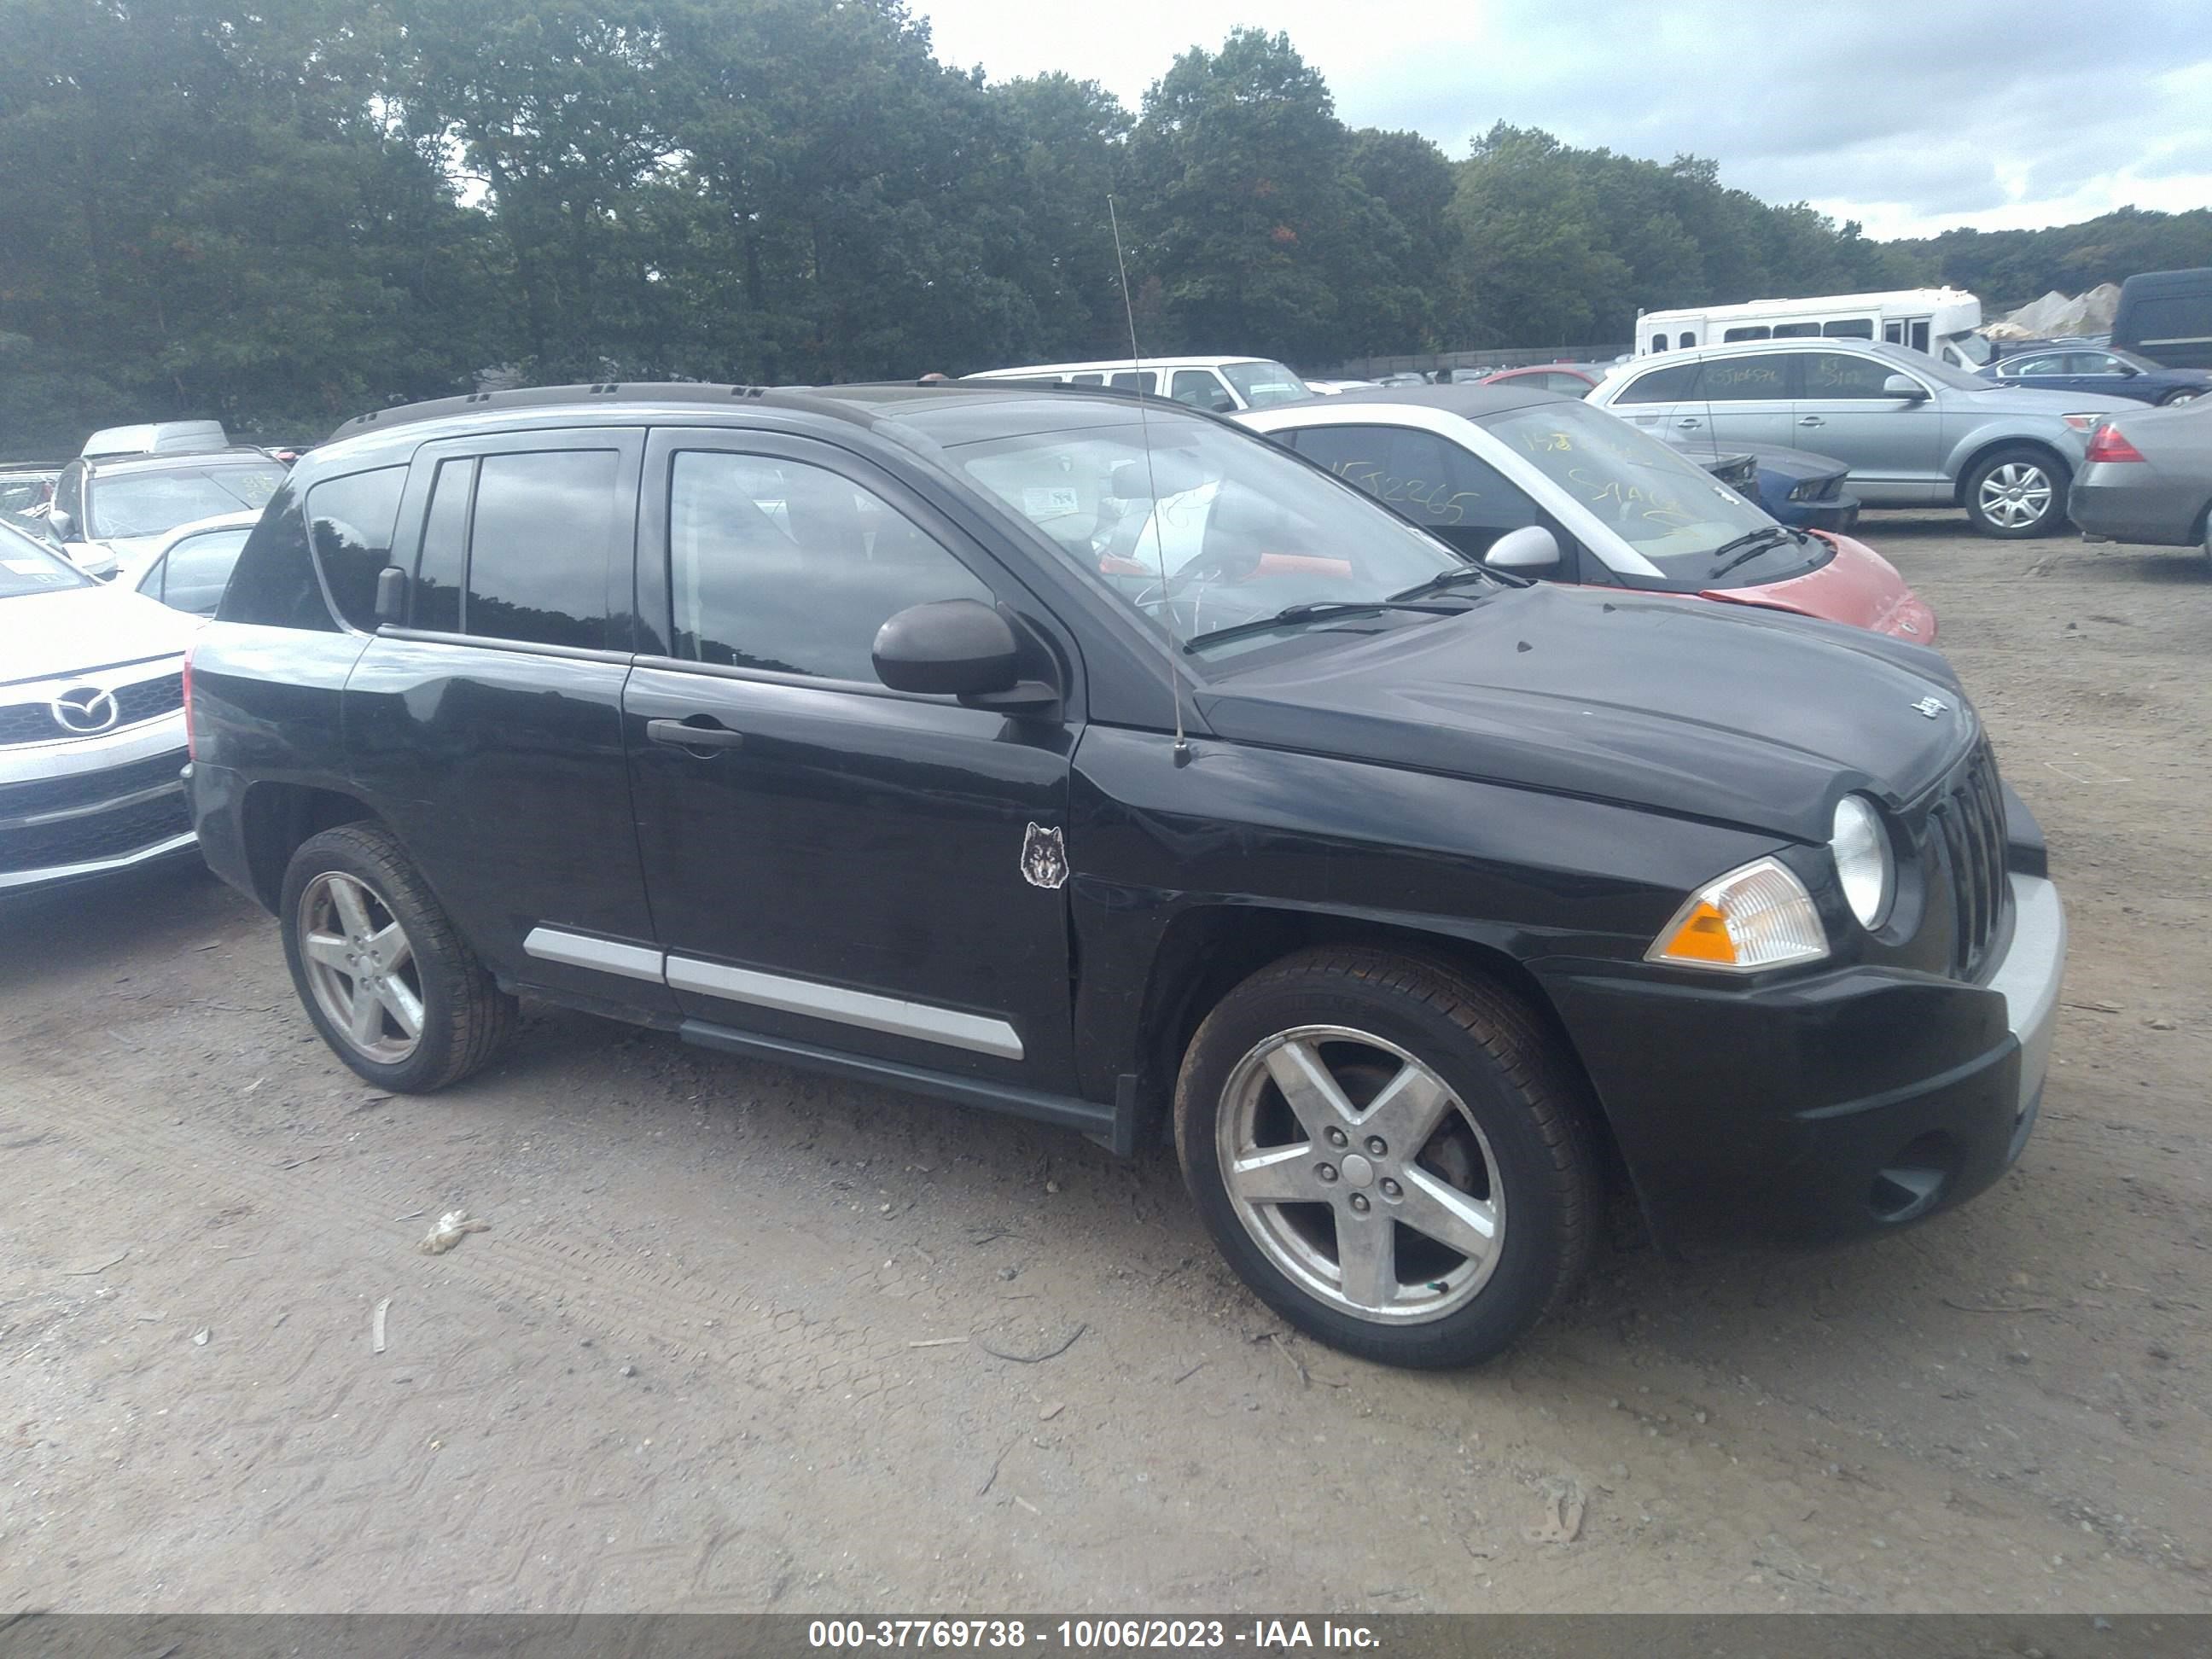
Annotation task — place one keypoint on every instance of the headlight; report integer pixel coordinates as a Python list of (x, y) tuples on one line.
[(1861, 848), (1758, 916), (1806, 491)]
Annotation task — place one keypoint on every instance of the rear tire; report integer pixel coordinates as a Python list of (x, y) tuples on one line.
[(382, 972), (2017, 491), (2173, 397), (1423, 1189)]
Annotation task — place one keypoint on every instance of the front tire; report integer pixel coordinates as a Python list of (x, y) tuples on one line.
[(1393, 1157), (387, 980), (2016, 492)]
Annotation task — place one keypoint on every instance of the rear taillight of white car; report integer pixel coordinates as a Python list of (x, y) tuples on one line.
[(2109, 443)]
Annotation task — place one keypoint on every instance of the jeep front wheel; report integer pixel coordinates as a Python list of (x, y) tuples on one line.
[(1393, 1157)]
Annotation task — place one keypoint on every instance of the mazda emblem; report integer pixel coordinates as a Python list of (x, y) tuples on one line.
[(85, 709)]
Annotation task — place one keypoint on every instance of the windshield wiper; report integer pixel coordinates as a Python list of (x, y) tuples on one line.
[(1318, 610), (1748, 546), (1447, 579)]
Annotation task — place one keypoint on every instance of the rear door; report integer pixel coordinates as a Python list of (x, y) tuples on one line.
[(488, 727), (1736, 401), (832, 863), (1652, 398), (1842, 412)]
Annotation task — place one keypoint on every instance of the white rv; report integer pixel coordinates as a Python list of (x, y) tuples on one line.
[(1940, 321)]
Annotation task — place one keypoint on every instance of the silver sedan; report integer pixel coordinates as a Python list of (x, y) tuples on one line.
[(2148, 478)]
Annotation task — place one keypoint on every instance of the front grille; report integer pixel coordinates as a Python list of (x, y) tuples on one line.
[(97, 835), (1969, 823), (26, 800), (147, 700)]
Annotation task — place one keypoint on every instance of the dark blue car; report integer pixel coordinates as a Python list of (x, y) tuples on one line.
[(1792, 486), (2105, 369)]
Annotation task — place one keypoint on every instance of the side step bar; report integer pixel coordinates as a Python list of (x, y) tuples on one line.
[(1114, 1127)]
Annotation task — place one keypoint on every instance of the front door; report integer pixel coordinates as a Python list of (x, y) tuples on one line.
[(1890, 443), (828, 861)]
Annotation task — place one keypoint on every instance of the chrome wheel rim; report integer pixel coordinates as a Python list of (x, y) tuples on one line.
[(1361, 1174), (2016, 494), (361, 968)]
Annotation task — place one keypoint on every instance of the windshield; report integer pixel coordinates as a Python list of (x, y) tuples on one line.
[(1661, 504), (149, 503), (1974, 347), (1211, 529), (1264, 383), (28, 568)]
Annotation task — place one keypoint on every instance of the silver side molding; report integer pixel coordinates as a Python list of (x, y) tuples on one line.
[(974, 1032), (581, 951)]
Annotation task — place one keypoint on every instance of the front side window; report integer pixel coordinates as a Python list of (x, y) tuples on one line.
[(153, 503), (198, 568), (1670, 384), (538, 540), (1430, 479), (2016, 368), (1662, 504), (349, 523), (1262, 384), (1200, 389), (1835, 374), (1762, 378), (2093, 362), (790, 568)]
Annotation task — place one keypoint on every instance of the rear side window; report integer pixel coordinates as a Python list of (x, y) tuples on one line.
[(1430, 480), (443, 570), (1744, 380), (273, 584), (1849, 328), (538, 546), (350, 520), (1735, 334), (1662, 385), (1796, 331)]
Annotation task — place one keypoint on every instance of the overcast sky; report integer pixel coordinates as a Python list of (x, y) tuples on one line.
[(1909, 117)]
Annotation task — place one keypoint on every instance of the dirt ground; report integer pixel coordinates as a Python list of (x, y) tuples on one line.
[(742, 1338)]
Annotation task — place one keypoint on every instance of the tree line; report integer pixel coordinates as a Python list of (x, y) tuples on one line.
[(282, 215)]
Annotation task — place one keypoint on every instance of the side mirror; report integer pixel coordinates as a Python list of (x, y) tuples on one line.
[(960, 648), (391, 595), (63, 524), (1904, 385), (1532, 547)]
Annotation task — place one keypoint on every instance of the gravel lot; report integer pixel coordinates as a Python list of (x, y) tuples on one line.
[(740, 1339)]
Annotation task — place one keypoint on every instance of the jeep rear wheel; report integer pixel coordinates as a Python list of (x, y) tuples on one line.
[(1393, 1157), (387, 981)]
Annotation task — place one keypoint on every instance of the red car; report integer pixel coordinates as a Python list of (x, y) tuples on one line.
[(1525, 480), (1568, 380)]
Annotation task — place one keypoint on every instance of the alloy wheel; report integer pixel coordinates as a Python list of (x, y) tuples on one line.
[(1360, 1174), (2015, 495), (360, 967)]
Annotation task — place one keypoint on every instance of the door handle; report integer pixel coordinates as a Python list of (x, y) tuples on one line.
[(1811, 420), (680, 734), (1687, 422)]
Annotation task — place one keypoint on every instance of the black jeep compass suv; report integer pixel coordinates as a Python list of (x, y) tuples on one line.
[(1087, 759)]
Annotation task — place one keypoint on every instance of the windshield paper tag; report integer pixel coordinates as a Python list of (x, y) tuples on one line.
[(1050, 503)]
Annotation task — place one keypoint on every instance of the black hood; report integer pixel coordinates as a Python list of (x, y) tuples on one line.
[(1727, 713)]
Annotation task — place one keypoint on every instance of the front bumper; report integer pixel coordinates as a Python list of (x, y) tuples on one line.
[(76, 811), (1830, 1108)]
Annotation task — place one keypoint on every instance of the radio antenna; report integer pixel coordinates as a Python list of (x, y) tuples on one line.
[(1152, 484)]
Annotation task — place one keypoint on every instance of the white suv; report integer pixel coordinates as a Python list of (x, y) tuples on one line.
[(92, 724)]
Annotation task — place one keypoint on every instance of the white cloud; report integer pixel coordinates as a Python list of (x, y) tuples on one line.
[(1908, 121)]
